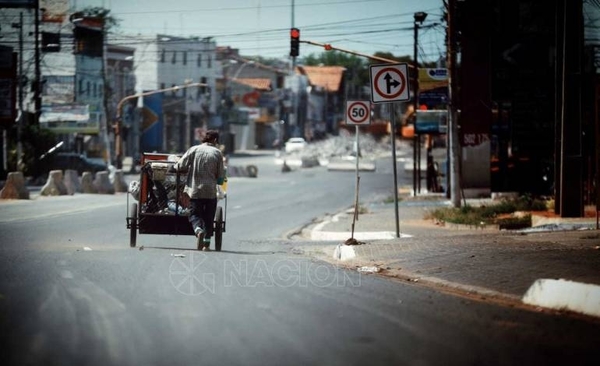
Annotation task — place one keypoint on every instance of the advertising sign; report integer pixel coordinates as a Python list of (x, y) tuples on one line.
[(433, 88), (69, 118), (434, 122), (55, 11), (17, 4), (152, 123)]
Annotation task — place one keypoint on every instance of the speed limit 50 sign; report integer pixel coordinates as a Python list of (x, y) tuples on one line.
[(358, 112)]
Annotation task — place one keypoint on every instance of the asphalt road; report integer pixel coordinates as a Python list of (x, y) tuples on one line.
[(72, 292)]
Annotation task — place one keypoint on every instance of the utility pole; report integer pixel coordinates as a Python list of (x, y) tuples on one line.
[(419, 18), (20, 81), (294, 93), (453, 140), (37, 80)]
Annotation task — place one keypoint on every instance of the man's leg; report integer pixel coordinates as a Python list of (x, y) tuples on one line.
[(208, 216), (195, 217)]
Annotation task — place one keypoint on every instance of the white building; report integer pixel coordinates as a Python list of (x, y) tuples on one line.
[(167, 61)]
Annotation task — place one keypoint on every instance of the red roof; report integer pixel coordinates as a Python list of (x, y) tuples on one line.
[(255, 83), (328, 77)]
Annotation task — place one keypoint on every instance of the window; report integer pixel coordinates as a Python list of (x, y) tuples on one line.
[(185, 57), (87, 89), (94, 89), (209, 61), (174, 59), (162, 55), (162, 85), (199, 61), (81, 86), (203, 88)]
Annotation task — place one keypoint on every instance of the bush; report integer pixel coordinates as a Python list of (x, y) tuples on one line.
[(470, 215)]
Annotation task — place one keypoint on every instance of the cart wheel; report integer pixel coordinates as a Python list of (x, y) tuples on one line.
[(133, 219), (218, 228)]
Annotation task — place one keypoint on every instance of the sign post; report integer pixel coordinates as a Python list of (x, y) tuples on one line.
[(389, 83), (358, 113)]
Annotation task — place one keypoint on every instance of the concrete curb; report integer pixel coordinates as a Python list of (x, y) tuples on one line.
[(564, 295)]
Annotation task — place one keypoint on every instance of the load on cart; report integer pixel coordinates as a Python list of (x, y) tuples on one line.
[(162, 205)]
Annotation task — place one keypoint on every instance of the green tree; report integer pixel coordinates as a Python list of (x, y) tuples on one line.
[(110, 22)]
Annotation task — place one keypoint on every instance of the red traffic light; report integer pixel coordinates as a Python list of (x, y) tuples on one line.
[(294, 42)]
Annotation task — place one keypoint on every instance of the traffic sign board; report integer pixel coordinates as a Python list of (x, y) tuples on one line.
[(358, 112), (389, 83)]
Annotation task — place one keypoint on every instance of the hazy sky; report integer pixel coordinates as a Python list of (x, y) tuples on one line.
[(261, 27)]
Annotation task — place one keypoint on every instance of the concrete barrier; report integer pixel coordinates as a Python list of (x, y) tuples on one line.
[(242, 171), (563, 294), (15, 187), (72, 183), (119, 184), (87, 183), (310, 161), (102, 183), (55, 185)]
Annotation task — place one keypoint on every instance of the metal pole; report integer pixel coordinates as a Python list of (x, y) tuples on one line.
[(295, 93), (329, 47), (20, 119), (355, 217), (4, 150), (393, 120), (37, 83), (452, 106), (118, 119), (416, 138), (357, 178)]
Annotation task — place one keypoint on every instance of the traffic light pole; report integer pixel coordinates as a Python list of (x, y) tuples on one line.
[(329, 47), (119, 118)]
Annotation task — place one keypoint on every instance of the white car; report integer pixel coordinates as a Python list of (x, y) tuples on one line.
[(295, 144)]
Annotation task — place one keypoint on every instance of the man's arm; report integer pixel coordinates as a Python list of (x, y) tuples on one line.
[(220, 170), (184, 161)]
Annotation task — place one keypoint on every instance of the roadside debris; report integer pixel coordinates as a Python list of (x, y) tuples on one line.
[(369, 269), (178, 255), (353, 241)]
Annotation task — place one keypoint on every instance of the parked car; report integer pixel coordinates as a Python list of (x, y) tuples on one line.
[(295, 144), (74, 161)]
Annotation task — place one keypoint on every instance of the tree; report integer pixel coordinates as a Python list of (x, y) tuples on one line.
[(109, 21)]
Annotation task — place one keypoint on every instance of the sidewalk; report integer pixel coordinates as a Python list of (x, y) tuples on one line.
[(481, 262)]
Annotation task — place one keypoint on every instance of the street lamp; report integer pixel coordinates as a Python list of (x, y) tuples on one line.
[(119, 119)]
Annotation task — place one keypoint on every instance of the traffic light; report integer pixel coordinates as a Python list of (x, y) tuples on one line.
[(295, 42)]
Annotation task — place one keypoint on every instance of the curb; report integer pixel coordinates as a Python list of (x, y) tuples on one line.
[(550, 294), (564, 295)]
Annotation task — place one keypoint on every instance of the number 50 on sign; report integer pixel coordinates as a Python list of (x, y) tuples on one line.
[(358, 112)]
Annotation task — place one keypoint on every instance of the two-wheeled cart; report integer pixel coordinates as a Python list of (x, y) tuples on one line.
[(162, 207)]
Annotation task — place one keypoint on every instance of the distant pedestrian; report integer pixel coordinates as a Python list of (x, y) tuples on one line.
[(205, 167)]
